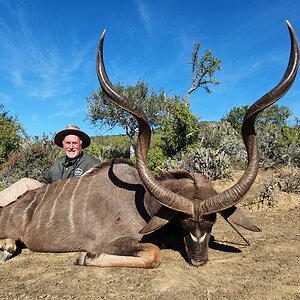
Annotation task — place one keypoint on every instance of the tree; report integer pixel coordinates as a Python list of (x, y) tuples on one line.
[(103, 112), (11, 134), (235, 117), (274, 115), (203, 70), (179, 129)]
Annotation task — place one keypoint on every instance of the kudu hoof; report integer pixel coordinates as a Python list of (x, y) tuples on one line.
[(9, 248), (6, 255), (81, 259)]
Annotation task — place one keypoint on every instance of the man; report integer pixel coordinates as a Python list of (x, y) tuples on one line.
[(74, 163)]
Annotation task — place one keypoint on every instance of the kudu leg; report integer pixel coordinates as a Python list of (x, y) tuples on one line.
[(9, 248), (145, 256)]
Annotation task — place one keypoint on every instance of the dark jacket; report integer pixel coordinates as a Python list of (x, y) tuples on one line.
[(64, 168)]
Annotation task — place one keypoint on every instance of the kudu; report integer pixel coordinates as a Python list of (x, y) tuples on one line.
[(107, 213)]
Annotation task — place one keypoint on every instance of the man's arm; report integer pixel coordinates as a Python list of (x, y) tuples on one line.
[(47, 178)]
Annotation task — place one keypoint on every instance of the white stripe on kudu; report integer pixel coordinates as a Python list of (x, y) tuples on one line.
[(28, 210), (71, 210), (40, 205), (53, 208)]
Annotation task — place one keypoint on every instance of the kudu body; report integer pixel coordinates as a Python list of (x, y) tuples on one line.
[(106, 213)]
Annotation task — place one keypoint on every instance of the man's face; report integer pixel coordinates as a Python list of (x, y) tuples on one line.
[(72, 146)]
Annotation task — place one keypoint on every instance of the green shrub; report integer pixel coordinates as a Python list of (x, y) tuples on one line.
[(279, 146), (222, 137), (105, 147), (31, 160), (179, 129), (213, 164), (155, 159), (12, 134)]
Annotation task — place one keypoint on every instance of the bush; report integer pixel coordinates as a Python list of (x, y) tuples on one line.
[(156, 159), (179, 129), (105, 147), (288, 180), (213, 164), (12, 134), (32, 160), (222, 137), (279, 146)]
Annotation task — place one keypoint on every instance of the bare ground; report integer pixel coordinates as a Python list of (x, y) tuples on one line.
[(267, 269)]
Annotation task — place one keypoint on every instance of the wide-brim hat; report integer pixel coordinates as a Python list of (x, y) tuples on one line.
[(72, 130)]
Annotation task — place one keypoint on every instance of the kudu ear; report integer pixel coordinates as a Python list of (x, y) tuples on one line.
[(161, 218), (234, 215)]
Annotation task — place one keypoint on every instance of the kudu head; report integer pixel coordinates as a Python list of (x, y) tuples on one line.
[(198, 215)]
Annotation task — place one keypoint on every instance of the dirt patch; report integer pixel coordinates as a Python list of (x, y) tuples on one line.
[(268, 269)]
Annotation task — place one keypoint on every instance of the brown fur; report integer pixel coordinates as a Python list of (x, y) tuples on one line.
[(96, 213)]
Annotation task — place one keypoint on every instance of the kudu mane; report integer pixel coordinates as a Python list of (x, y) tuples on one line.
[(105, 164), (175, 174)]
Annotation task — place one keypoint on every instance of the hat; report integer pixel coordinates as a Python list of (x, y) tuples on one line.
[(72, 130)]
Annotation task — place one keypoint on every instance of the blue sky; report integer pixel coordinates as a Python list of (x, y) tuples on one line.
[(48, 48)]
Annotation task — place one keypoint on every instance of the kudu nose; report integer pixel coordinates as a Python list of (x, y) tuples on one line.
[(198, 263)]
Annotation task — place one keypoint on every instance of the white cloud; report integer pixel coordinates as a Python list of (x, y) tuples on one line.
[(37, 66), (145, 15)]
